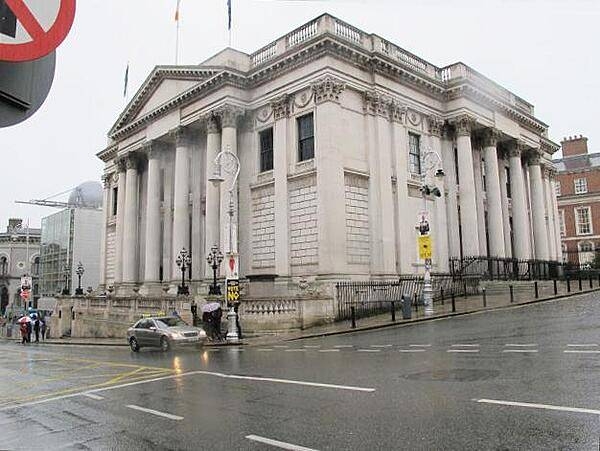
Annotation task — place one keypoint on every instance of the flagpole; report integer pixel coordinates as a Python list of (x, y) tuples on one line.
[(177, 33)]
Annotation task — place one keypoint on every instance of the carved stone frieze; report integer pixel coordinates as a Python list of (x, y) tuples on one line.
[(303, 98), (281, 107), (328, 89), (435, 125), (414, 118)]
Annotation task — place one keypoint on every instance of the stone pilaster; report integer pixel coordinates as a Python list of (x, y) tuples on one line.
[(213, 146), (505, 210), (106, 184), (440, 232), (447, 149)]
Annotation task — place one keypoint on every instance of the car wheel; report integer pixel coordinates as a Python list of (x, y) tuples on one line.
[(133, 344), (164, 344)]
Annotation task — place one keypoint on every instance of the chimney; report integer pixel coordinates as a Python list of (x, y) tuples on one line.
[(13, 224), (574, 145)]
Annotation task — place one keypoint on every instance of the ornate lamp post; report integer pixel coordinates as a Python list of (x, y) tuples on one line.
[(214, 259), (183, 261), (430, 160), (79, 271), (217, 178), (67, 270)]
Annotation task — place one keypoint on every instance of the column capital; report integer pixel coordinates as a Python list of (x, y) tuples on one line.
[(229, 115), (534, 157), (514, 149), (376, 104), (153, 149), (435, 124), (107, 180), (490, 137), (132, 161), (281, 106), (212, 122), (549, 171), (328, 89), (183, 136), (398, 111), (463, 124), (121, 164)]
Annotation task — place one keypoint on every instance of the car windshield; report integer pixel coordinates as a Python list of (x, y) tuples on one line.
[(169, 322)]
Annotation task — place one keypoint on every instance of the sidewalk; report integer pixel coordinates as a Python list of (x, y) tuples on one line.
[(497, 297)]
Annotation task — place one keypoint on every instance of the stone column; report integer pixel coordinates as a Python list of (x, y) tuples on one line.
[(383, 255), (229, 243), (493, 192), (181, 197), (281, 112), (106, 181), (440, 232), (130, 233), (548, 193), (213, 199), (519, 205), (540, 236), (468, 203), (505, 210), (447, 148), (479, 199), (557, 237), (121, 188), (329, 134), (153, 220)]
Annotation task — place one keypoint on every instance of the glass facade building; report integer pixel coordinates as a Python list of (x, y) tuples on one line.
[(57, 252)]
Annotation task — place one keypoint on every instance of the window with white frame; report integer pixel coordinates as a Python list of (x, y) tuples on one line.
[(561, 220), (586, 252), (583, 221), (580, 186), (586, 246), (557, 188), (414, 153)]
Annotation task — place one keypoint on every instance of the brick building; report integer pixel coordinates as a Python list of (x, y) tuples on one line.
[(578, 194)]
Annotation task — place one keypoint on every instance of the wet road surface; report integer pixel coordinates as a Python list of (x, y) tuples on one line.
[(523, 378)]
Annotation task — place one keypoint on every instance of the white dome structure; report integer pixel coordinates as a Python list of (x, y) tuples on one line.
[(87, 194)]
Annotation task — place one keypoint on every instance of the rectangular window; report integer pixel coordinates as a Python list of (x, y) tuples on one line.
[(583, 220), (561, 218), (414, 153), (115, 193), (557, 188), (306, 137), (581, 186), (266, 149)]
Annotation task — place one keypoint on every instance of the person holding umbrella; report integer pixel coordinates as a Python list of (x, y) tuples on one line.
[(25, 329)]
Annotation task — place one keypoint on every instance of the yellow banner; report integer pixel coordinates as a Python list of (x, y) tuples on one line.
[(425, 247)]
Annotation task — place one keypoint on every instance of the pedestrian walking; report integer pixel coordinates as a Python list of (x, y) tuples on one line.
[(23, 329), (36, 330), (29, 328), (43, 329)]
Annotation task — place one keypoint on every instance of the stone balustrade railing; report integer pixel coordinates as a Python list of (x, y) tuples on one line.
[(269, 307)]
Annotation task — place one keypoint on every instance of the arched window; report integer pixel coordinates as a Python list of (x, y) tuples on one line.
[(35, 266), (3, 266)]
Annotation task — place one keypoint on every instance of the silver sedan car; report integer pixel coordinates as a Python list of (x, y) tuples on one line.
[(163, 332)]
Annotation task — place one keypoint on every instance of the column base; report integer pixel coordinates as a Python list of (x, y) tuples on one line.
[(154, 288), (127, 289)]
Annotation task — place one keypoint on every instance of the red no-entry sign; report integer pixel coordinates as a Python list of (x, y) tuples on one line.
[(31, 29)]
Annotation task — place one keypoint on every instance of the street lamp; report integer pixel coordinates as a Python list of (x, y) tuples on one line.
[(430, 160), (67, 270), (79, 271), (214, 259), (183, 261), (217, 178)]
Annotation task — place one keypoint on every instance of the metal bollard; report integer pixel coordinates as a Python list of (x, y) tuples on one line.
[(512, 295), (484, 297), (353, 316), (590, 282), (442, 294), (465, 289), (393, 312), (453, 302), (555, 288), (568, 285), (535, 287), (580, 287)]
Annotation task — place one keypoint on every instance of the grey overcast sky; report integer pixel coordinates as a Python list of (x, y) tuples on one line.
[(543, 50)]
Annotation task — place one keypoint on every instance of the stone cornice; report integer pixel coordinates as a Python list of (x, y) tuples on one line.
[(108, 154)]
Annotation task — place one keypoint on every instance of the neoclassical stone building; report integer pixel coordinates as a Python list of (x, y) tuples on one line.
[(330, 125)]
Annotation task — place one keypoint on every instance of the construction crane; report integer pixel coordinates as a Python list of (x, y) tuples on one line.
[(77, 199)]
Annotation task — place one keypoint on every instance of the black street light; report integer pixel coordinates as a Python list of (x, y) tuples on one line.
[(214, 259), (184, 261), (67, 270), (79, 271)]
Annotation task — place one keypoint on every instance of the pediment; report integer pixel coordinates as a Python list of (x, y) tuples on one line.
[(163, 84)]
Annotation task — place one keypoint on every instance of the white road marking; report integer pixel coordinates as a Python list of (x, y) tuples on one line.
[(155, 412), (295, 350), (343, 346), (524, 345), (264, 350), (591, 345), (463, 350), (281, 346), (420, 346), (538, 406), (520, 350), (466, 345), (582, 351), (93, 396), (312, 346), (176, 376), (329, 350), (368, 350), (381, 346), (278, 444), (412, 350)]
